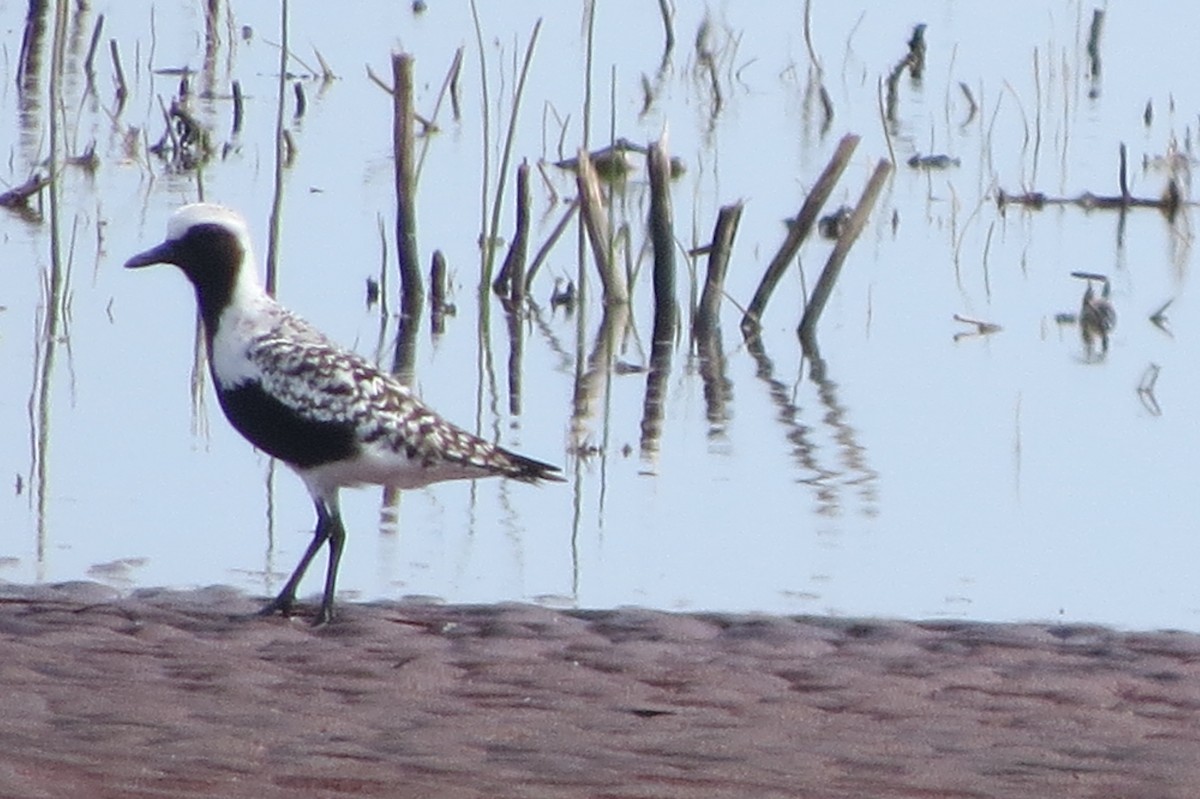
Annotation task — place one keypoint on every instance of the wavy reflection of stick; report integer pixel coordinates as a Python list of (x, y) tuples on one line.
[(853, 455), (798, 434)]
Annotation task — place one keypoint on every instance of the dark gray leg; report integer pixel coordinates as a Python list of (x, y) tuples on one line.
[(336, 534), (327, 520)]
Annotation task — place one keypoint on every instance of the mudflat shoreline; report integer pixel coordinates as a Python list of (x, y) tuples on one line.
[(180, 694)]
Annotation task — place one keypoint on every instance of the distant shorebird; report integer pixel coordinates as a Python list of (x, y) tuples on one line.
[(328, 413)]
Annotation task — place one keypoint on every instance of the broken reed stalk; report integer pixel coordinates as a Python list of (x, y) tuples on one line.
[(708, 313), (431, 126), (412, 293), (551, 240), (833, 267), (662, 236), (89, 63), (798, 232), (122, 87), (511, 278), (595, 222)]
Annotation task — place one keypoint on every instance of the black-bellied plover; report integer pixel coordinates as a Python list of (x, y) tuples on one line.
[(330, 414)]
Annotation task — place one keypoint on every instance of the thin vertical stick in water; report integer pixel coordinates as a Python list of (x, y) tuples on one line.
[(277, 193), (1093, 45), (833, 267), (485, 253), (708, 311), (595, 222), (511, 278), (662, 237), (516, 348), (587, 72), (412, 293), (507, 155), (301, 100), (798, 232), (238, 107), (1122, 179)]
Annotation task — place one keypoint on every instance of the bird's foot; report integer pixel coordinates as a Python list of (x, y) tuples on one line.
[(282, 604), (324, 615)]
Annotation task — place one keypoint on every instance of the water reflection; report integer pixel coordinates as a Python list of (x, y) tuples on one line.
[(828, 481)]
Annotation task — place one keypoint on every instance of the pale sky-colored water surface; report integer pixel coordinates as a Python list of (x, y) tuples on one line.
[(1003, 477)]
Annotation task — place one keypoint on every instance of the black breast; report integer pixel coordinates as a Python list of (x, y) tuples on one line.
[(282, 432)]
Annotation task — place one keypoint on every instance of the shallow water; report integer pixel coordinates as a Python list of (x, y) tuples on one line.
[(1004, 477)]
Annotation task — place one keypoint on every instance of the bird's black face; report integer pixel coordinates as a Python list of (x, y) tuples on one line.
[(210, 255)]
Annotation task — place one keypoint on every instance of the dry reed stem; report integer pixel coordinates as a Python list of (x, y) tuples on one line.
[(708, 311), (89, 68), (662, 237), (833, 267), (412, 293), (799, 231), (119, 72), (506, 155), (595, 222), (275, 218), (511, 278)]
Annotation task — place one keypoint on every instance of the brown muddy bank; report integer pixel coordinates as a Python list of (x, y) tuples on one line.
[(175, 694)]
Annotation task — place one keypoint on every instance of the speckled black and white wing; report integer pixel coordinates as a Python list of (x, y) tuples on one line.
[(332, 413)]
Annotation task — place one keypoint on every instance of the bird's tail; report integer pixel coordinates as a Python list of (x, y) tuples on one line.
[(528, 470)]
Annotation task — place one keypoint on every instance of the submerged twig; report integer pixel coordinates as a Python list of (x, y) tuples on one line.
[(981, 328), (1169, 203)]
